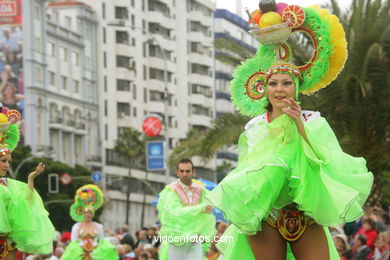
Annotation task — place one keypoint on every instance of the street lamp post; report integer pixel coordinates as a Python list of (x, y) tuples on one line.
[(13, 173), (122, 23)]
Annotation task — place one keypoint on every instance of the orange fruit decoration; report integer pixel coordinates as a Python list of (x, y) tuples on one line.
[(294, 15), (256, 15)]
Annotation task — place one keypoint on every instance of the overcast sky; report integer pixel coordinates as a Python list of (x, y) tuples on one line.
[(254, 4)]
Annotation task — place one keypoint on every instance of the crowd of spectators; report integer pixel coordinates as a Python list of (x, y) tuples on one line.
[(368, 238)]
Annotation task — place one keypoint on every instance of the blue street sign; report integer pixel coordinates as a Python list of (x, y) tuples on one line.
[(155, 156), (97, 177)]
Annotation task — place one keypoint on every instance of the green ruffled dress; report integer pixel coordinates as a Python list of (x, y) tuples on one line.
[(25, 219), (103, 251), (276, 167), (178, 220)]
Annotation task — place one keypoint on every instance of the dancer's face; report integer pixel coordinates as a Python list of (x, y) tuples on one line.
[(280, 87), (185, 172), (88, 215), (4, 164)]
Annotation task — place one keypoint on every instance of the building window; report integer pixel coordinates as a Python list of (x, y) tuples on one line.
[(106, 132), (202, 90), (105, 83), (38, 44), (63, 53), (156, 95), (68, 22), (75, 58), (159, 29), (104, 11), (104, 35), (134, 112), (159, 74), (37, 12), (105, 108), (38, 73), (200, 110), (123, 85), (122, 61), (122, 130), (122, 37), (76, 86), (51, 49), (64, 82), (134, 91), (145, 95), (123, 109), (145, 73), (52, 78), (105, 59), (155, 51), (121, 12), (132, 20), (200, 69)]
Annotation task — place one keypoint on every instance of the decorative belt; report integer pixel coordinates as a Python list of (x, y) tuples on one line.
[(290, 222), (6, 246)]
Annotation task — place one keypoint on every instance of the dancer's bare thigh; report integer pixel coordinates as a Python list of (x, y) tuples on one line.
[(268, 244), (11, 255), (311, 245)]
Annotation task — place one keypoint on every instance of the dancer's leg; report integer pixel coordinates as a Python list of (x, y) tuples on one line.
[(268, 244), (312, 245), (11, 255)]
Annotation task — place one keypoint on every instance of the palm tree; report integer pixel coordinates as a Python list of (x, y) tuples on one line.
[(357, 104), (131, 147), (224, 131)]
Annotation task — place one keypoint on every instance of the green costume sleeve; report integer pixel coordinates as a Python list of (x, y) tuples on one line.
[(178, 220), (31, 228), (242, 147), (330, 178)]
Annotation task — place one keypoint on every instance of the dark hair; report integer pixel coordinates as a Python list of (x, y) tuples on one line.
[(185, 160), (385, 216), (362, 238), (268, 107), (370, 221)]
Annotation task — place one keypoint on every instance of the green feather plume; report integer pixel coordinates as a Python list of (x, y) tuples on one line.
[(12, 135)]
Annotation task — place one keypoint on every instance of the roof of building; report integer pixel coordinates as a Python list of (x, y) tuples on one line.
[(68, 4), (233, 18)]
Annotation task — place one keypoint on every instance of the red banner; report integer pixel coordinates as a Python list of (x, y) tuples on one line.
[(10, 12)]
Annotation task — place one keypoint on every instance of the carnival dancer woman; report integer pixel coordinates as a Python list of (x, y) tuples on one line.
[(88, 241), (24, 222), (292, 179)]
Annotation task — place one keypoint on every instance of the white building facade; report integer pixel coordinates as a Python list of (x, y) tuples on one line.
[(233, 43), (60, 75), (158, 36), (89, 78)]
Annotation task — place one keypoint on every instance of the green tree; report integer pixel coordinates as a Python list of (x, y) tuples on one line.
[(224, 131), (357, 103), (130, 145)]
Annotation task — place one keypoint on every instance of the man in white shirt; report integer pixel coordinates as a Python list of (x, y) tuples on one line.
[(186, 218)]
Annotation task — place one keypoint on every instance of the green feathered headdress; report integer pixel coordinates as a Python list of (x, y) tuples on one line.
[(9, 129), (249, 85), (88, 198)]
